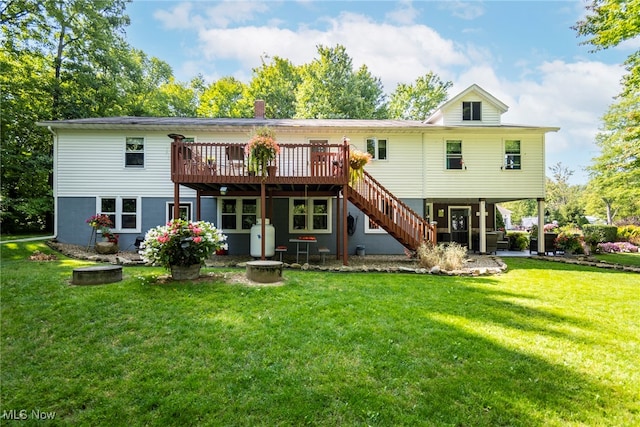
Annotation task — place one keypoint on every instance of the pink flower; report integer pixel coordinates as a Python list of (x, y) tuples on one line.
[(197, 239), (163, 239)]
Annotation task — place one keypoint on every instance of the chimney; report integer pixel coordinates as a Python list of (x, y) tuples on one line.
[(259, 109)]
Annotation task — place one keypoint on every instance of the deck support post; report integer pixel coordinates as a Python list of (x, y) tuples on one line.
[(345, 253), (541, 208), (483, 227), (176, 201), (263, 214), (339, 225), (198, 205)]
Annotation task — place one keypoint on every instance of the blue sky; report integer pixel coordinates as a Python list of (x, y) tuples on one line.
[(523, 52)]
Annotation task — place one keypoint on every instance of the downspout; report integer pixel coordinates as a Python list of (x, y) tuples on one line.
[(55, 182)]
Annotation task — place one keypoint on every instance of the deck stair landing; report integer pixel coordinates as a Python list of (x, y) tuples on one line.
[(390, 213)]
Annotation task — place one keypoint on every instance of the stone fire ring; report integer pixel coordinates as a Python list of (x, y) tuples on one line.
[(264, 271), (97, 275)]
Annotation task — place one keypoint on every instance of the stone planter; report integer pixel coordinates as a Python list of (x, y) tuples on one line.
[(106, 248), (188, 272)]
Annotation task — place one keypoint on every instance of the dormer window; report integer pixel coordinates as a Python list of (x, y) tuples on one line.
[(471, 110)]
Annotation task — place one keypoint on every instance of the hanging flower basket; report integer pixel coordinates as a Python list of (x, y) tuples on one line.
[(262, 150), (357, 161)]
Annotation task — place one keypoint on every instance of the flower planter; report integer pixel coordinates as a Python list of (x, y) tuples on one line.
[(106, 248), (185, 272), (271, 170)]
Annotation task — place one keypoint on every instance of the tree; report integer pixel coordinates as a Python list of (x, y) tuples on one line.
[(563, 198), (418, 101), (276, 82), (615, 173), (331, 89), (609, 23), (227, 97)]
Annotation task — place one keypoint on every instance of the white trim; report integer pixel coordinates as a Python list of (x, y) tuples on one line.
[(238, 213), (376, 147), (309, 220), (143, 151), (368, 230), (117, 227), (169, 210)]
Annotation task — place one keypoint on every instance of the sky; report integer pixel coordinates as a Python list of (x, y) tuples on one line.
[(524, 53)]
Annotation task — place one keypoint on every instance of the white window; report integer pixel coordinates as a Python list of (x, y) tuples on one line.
[(237, 215), (124, 212), (471, 110), (428, 212), (512, 156), (454, 154), (310, 215), (134, 152), (185, 211), (377, 147), (372, 227)]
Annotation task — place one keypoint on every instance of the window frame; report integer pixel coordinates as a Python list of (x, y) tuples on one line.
[(239, 204), (309, 203), (507, 156), (116, 216), (372, 230), (376, 149), (183, 205), (448, 157), (127, 152), (472, 112)]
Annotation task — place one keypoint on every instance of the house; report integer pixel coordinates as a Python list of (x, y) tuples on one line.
[(438, 180)]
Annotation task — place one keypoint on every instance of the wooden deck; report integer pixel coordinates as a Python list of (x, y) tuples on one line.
[(208, 167), (217, 169)]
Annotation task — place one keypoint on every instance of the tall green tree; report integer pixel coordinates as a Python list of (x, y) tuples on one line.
[(419, 100), (615, 173), (226, 97), (330, 88), (609, 23), (276, 82)]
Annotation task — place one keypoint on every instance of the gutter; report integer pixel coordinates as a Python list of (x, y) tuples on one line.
[(55, 182)]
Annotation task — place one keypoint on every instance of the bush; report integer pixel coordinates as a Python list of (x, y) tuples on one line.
[(628, 233), (612, 247), (447, 257), (570, 240), (598, 233), (518, 240)]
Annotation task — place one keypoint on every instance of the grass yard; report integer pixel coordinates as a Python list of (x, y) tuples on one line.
[(621, 258), (545, 344)]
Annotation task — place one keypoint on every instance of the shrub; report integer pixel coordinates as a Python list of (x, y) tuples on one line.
[(610, 247), (629, 233), (570, 240), (598, 233), (518, 241), (447, 257)]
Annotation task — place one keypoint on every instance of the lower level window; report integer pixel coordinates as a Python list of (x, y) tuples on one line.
[(237, 214), (124, 212), (185, 211), (310, 215)]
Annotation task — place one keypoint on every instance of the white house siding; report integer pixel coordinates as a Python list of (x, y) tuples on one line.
[(92, 163), (483, 156), (489, 115)]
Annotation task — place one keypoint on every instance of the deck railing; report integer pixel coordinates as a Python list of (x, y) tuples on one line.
[(391, 213), (218, 162)]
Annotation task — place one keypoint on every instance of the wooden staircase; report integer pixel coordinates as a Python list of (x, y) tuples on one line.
[(390, 213)]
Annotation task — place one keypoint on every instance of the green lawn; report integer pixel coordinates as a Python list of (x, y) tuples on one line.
[(544, 344), (621, 258)]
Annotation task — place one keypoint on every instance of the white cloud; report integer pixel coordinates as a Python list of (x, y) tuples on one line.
[(467, 10), (405, 13)]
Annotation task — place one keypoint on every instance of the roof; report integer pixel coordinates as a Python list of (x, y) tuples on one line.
[(226, 124)]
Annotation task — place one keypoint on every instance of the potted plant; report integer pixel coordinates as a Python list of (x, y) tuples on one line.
[(262, 150), (182, 246), (102, 223)]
